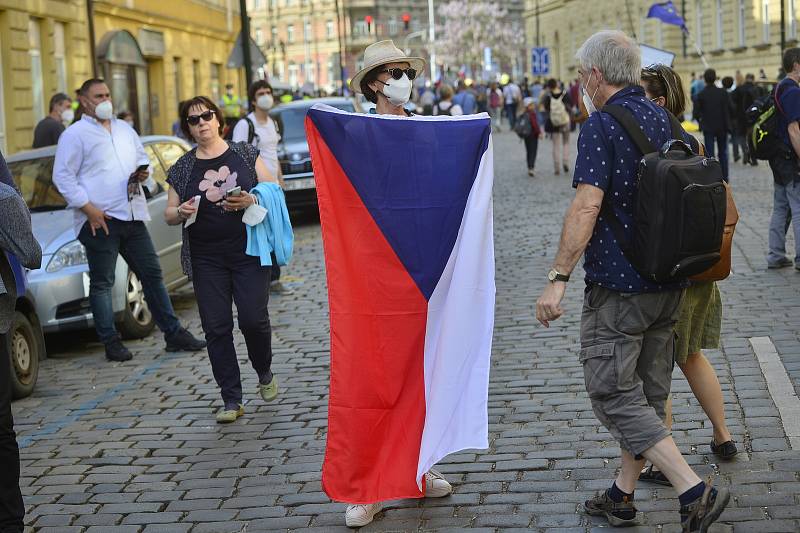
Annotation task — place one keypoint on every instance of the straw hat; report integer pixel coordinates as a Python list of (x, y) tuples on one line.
[(383, 53)]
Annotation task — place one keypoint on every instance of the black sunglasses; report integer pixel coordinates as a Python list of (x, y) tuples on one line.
[(397, 73), (194, 120)]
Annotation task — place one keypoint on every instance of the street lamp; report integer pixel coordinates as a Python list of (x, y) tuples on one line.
[(432, 40)]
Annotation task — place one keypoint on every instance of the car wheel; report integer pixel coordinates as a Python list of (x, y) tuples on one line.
[(22, 344), (137, 319)]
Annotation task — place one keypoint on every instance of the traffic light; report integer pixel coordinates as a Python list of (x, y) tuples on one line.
[(406, 21), (368, 20)]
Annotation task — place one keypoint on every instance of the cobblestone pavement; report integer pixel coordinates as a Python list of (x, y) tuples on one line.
[(133, 447)]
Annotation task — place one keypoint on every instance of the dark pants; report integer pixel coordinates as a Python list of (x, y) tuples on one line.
[(511, 113), (531, 147), (722, 145), (12, 509), (218, 279), (132, 241), (739, 140)]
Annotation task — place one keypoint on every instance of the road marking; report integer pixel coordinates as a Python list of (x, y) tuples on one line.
[(78, 412), (780, 387)]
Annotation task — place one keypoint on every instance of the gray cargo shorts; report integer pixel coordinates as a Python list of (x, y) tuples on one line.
[(628, 353)]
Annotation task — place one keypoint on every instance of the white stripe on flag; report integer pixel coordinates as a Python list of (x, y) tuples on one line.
[(458, 337)]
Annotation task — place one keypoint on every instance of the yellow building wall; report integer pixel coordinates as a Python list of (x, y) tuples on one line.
[(193, 31), (17, 93)]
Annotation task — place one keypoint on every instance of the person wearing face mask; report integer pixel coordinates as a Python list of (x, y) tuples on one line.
[(259, 130), (627, 337), (385, 81), (100, 167), (127, 116), (50, 128)]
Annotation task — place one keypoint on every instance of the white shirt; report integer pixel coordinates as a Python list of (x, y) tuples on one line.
[(266, 140), (94, 165), (511, 92)]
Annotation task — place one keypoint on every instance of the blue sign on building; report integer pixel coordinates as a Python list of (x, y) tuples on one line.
[(540, 61)]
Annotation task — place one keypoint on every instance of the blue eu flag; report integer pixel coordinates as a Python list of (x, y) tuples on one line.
[(667, 13)]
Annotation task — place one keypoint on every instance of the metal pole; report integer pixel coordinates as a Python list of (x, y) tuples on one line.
[(630, 20), (90, 20), (432, 39), (245, 34), (683, 34), (340, 38), (783, 28), (538, 44)]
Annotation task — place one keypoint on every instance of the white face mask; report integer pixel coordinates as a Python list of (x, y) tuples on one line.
[(588, 102), (130, 123), (397, 92), (265, 102), (104, 110), (67, 116)]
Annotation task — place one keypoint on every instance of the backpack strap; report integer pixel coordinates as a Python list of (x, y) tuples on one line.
[(631, 127), (251, 131)]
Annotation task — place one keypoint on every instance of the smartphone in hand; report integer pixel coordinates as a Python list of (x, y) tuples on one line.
[(236, 191)]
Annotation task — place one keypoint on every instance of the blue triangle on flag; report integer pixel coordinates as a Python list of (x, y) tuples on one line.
[(414, 178)]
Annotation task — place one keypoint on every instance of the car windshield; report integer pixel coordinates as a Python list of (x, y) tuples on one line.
[(291, 121), (34, 177)]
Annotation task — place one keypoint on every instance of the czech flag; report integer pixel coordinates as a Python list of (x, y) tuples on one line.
[(406, 211)]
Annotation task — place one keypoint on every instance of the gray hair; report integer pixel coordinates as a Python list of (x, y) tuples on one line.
[(614, 54)]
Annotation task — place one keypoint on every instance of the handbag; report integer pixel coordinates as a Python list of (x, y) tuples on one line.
[(722, 268)]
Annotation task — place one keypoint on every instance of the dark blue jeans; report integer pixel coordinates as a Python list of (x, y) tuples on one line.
[(132, 241), (722, 145), (219, 280), (12, 509)]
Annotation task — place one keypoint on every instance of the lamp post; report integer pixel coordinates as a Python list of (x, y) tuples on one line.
[(432, 40), (340, 40), (245, 35)]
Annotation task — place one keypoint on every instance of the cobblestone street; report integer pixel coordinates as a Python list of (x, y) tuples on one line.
[(133, 447)]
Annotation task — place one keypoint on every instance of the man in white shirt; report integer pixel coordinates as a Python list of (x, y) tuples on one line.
[(513, 97), (99, 168), (258, 129)]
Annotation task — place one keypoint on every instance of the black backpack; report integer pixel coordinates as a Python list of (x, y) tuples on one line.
[(679, 207), (764, 138), (523, 127), (251, 132)]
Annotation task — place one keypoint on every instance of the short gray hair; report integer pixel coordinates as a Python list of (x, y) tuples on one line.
[(614, 54)]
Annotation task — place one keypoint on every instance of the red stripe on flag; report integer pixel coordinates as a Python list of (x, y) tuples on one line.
[(378, 318)]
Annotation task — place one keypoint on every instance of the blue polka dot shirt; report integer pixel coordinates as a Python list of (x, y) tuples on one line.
[(608, 159)]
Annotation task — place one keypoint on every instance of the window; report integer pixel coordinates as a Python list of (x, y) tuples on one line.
[(765, 20), (293, 72), (792, 19), (256, 4), (307, 31), (698, 22), (170, 153), (177, 79), (290, 33), (198, 89), (159, 176), (329, 29), (215, 70), (742, 22), (392, 26), (642, 32), (259, 37), (360, 28), (659, 35), (37, 84), (330, 76), (274, 33), (720, 28), (34, 177), (59, 57)]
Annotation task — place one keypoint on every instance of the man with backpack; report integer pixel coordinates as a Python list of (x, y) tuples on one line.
[(743, 97), (558, 107), (784, 165), (627, 339)]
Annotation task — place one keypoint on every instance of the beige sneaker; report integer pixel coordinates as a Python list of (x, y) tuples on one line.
[(226, 416), (269, 391), (361, 515), (436, 486)]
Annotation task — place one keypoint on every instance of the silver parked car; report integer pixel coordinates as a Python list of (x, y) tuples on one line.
[(61, 287)]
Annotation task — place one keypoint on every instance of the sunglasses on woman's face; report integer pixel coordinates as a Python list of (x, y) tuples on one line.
[(397, 73), (194, 120)]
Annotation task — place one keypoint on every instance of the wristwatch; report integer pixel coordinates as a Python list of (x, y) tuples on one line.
[(555, 275)]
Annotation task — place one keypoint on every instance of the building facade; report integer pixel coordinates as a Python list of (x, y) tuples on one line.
[(735, 35), (302, 39), (152, 53)]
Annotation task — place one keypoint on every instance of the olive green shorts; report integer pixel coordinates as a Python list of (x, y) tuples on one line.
[(700, 320)]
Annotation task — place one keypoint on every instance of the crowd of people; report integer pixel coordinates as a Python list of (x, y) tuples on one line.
[(632, 327)]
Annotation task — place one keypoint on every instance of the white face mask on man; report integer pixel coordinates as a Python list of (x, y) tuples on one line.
[(104, 110), (67, 116), (265, 102), (398, 92), (587, 101)]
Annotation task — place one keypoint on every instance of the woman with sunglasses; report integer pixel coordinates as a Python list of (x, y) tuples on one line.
[(700, 318), (209, 193), (385, 81)]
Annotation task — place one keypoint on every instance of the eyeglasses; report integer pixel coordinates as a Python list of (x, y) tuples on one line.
[(397, 73), (194, 120)]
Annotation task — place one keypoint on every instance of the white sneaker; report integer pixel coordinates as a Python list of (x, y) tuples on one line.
[(361, 515), (436, 486)]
